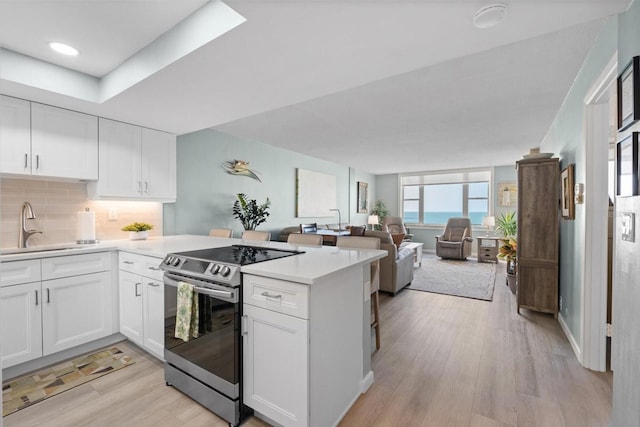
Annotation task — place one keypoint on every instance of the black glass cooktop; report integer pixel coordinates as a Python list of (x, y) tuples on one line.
[(238, 254)]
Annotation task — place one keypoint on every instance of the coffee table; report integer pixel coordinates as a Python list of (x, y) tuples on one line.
[(417, 250)]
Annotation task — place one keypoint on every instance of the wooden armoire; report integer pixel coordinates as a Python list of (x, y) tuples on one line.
[(538, 234)]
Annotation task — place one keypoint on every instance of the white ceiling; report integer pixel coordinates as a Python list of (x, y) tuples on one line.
[(384, 86)]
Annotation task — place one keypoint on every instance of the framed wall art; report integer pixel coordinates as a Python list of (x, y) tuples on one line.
[(567, 199), (507, 194), (629, 94), (363, 197), (627, 166)]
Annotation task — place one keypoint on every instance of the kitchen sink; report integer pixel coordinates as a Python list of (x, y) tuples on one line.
[(15, 251)]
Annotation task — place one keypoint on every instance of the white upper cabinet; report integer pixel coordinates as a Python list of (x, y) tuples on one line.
[(64, 143), (135, 163), (39, 140), (15, 135)]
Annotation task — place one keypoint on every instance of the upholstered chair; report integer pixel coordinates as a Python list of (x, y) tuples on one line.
[(456, 241), (395, 225), (220, 232), (358, 242), (308, 239), (308, 228), (261, 236)]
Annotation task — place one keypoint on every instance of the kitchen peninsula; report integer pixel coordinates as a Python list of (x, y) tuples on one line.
[(311, 384)]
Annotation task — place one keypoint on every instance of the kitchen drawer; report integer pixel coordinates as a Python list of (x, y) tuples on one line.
[(140, 264), (75, 265), (277, 295), (16, 272)]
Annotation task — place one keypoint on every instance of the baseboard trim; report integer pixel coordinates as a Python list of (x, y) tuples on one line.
[(572, 340), (366, 382)]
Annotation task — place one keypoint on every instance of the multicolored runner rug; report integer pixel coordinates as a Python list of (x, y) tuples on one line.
[(35, 387)]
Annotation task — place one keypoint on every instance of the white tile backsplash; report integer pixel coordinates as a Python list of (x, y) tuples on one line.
[(55, 205)]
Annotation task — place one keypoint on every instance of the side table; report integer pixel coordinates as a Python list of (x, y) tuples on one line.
[(417, 250), (488, 248)]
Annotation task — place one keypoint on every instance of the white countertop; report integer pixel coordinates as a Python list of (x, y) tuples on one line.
[(308, 268)]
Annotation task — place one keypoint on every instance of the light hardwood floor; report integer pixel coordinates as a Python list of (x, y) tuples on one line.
[(444, 361)]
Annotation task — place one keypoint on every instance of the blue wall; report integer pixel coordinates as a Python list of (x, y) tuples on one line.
[(206, 192), (388, 191)]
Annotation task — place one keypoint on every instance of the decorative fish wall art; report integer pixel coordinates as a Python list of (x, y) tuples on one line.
[(240, 167)]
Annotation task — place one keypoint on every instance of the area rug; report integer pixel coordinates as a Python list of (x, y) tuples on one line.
[(469, 279), (35, 387)]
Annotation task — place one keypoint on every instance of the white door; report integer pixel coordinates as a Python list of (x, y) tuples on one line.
[(63, 143), (75, 310), (158, 164), (119, 174), (153, 300), (21, 320), (275, 361), (15, 136), (131, 318)]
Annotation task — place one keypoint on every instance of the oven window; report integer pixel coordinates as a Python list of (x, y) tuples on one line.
[(217, 347)]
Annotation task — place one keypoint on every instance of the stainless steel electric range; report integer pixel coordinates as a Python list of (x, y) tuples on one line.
[(209, 368)]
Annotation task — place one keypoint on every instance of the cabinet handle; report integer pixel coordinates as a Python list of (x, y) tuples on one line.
[(36, 297), (26, 160), (48, 297), (37, 161), (146, 186), (268, 295), (128, 262), (154, 268), (137, 293), (155, 285), (243, 325)]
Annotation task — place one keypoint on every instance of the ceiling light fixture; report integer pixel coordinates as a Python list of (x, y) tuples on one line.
[(64, 49), (489, 16)]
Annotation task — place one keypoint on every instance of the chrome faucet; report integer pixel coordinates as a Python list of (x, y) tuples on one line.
[(26, 213), (339, 219)]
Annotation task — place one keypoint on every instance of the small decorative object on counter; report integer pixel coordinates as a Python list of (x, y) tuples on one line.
[(138, 230)]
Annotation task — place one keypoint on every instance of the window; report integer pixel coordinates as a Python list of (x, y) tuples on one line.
[(434, 198)]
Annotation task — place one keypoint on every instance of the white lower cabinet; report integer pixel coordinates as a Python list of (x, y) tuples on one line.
[(276, 365), (142, 302), (21, 323), (75, 310), (67, 302)]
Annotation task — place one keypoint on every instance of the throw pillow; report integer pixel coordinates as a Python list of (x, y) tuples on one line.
[(397, 239), (357, 230)]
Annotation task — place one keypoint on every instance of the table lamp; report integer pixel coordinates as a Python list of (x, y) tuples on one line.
[(373, 221), (489, 222)]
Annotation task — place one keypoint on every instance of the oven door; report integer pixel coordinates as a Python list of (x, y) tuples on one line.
[(214, 357)]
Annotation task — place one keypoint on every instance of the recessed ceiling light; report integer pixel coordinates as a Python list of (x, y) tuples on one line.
[(488, 16), (64, 49)]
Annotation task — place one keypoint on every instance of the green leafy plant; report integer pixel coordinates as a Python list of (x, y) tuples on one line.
[(137, 226), (507, 224), (381, 210), (249, 212)]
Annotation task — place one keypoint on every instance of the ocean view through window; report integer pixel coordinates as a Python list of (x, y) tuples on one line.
[(431, 199)]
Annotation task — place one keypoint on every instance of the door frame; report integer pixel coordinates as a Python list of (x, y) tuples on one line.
[(596, 125)]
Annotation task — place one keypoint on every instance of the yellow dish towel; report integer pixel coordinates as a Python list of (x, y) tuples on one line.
[(187, 312)]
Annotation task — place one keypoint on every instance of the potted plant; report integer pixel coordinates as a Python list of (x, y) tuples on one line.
[(508, 226), (381, 210), (138, 230), (249, 212)]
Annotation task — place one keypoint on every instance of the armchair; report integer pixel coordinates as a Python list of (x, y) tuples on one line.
[(395, 225), (456, 241)]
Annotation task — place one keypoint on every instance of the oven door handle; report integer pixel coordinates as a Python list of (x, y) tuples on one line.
[(171, 280)]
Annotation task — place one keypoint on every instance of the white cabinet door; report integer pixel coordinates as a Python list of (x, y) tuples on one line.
[(120, 161), (15, 135), (75, 310), (153, 301), (64, 143), (20, 317), (158, 164), (276, 361), (131, 319)]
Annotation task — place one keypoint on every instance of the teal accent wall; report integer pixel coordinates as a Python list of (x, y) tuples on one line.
[(206, 192), (387, 187), (565, 139)]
